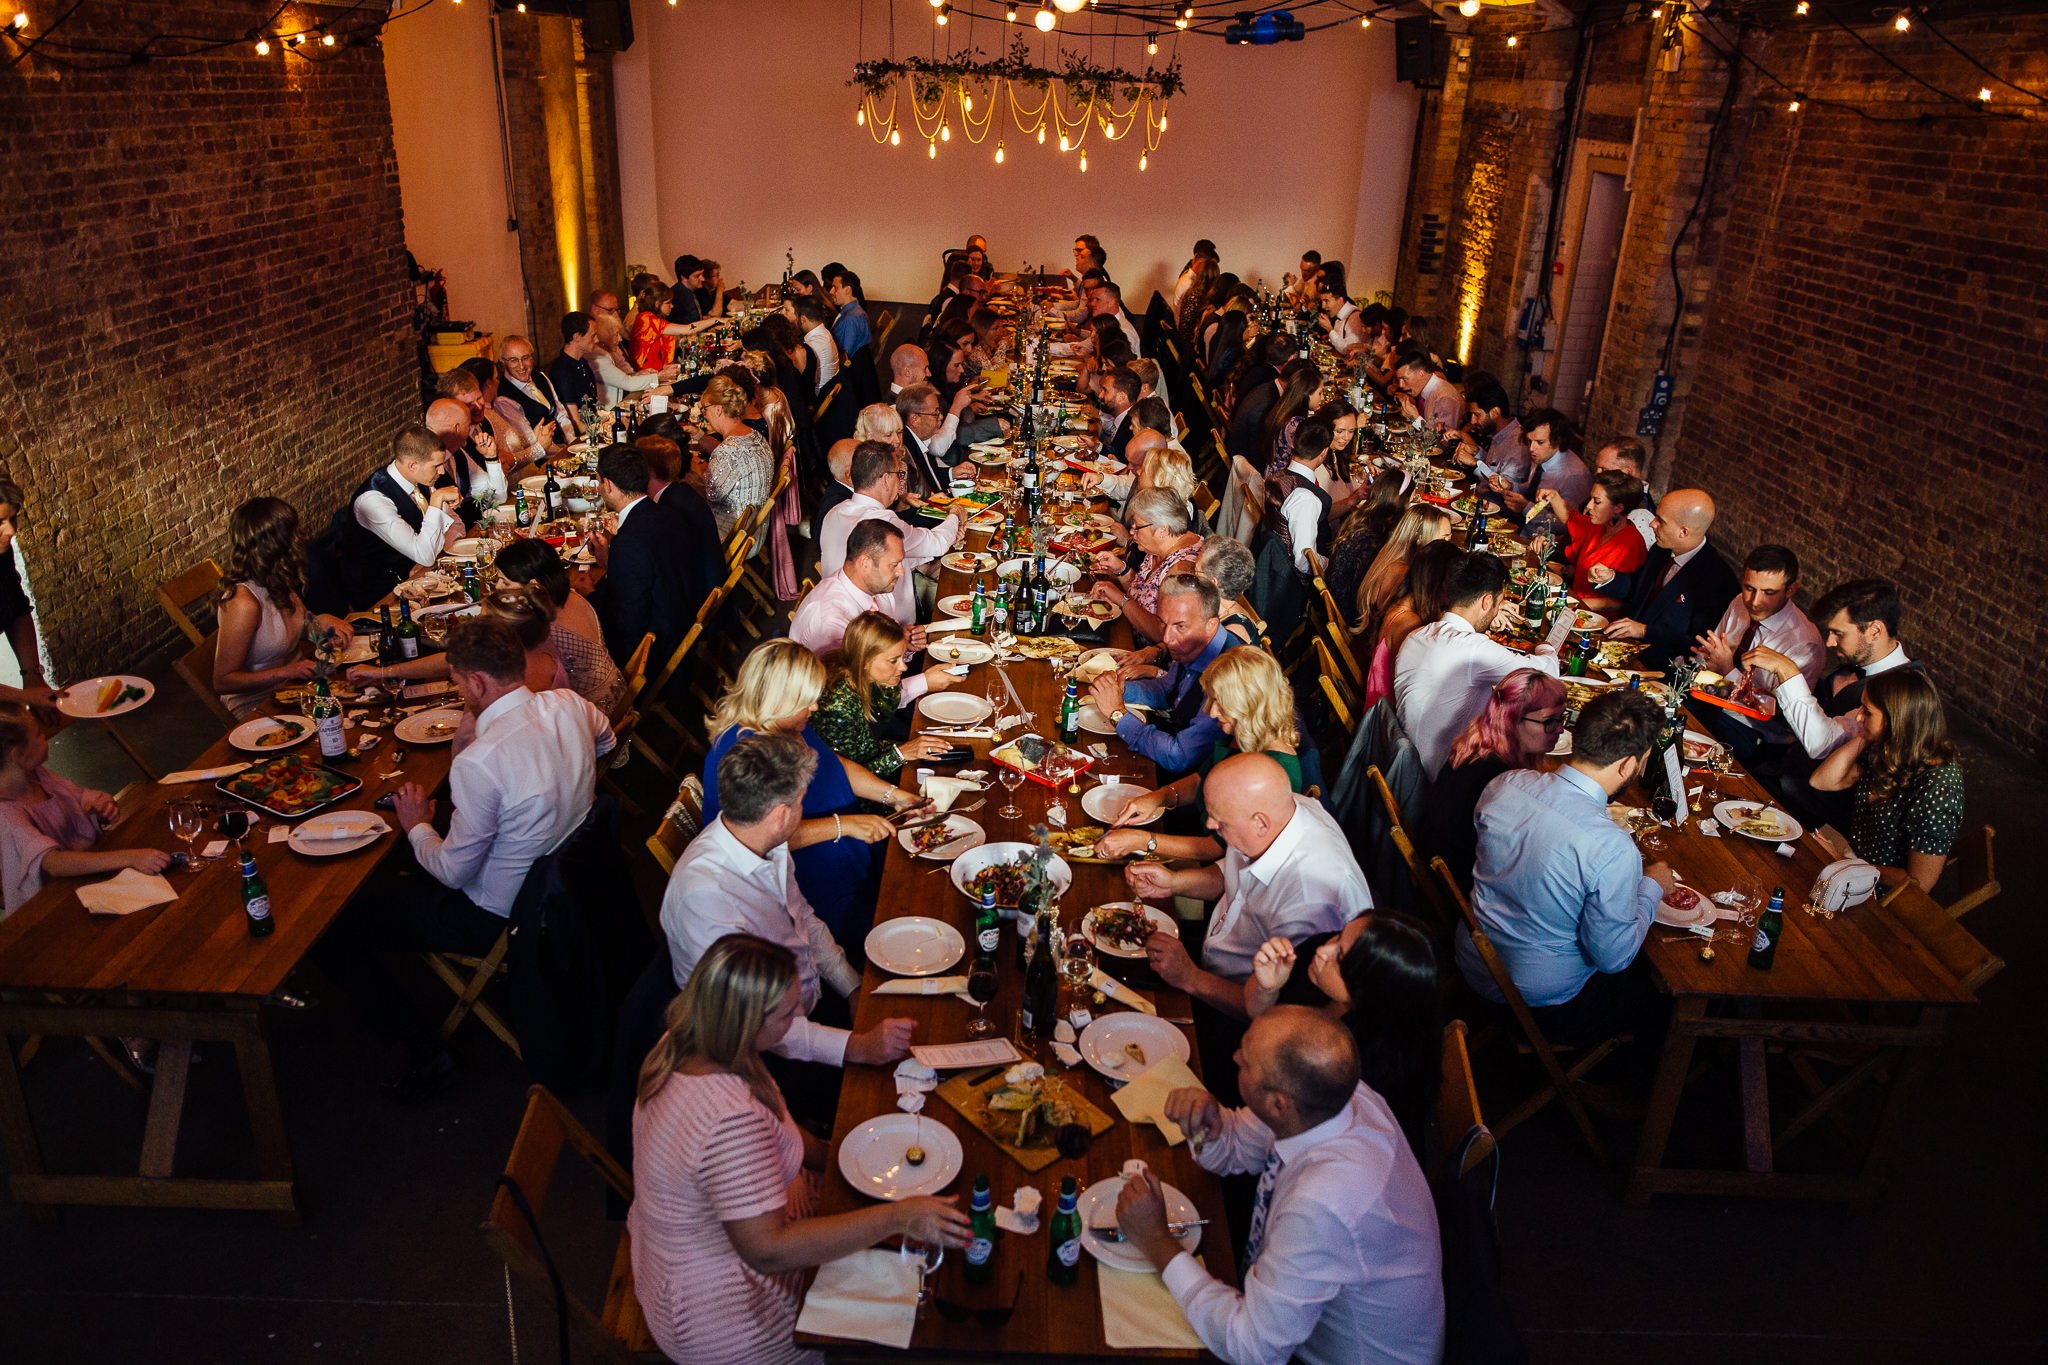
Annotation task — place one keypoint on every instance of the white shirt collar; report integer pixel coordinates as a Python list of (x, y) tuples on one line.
[(627, 511), (1269, 863), (1895, 659), (1306, 471), (1456, 624), (403, 482), (1680, 561), (1288, 1148), (727, 848), (501, 708)]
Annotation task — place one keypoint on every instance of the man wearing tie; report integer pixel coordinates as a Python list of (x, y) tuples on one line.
[(1683, 586), (404, 515), (1763, 614)]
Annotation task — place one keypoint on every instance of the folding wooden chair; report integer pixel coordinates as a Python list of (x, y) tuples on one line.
[(1976, 874), (195, 666), (1341, 710), (758, 587), (194, 587), (1560, 1078), (1457, 1106), (635, 674), (1339, 633), (1426, 892), (468, 977), (617, 1332), (680, 824), (653, 700), (1206, 503), (1333, 676)]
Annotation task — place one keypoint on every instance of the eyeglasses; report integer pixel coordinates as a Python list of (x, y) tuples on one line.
[(1554, 721)]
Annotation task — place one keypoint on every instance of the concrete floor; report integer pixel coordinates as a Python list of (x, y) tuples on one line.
[(389, 1266)]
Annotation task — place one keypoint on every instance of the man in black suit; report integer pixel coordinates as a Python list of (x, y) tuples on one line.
[(838, 483), (1116, 390), (1683, 586), (923, 416), (652, 581)]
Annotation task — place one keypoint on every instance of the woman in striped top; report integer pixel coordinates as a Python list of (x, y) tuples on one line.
[(719, 1226)]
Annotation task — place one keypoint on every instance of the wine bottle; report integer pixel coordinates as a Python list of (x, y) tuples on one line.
[(387, 638), (551, 497), (406, 633), (326, 713), (1041, 1012)]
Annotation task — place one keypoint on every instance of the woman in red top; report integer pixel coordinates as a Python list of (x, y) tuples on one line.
[(1602, 537), (652, 343)]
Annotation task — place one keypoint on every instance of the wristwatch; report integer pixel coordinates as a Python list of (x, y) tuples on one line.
[(1118, 714), (1151, 843)]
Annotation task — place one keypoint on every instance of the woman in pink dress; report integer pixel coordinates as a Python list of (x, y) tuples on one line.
[(719, 1220), (48, 826)]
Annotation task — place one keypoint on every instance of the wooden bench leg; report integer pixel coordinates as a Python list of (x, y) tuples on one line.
[(1672, 1070), (166, 1108)]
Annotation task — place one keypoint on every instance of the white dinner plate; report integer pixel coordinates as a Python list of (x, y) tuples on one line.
[(425, 588), (1700, 748), (968, 561), (1003, 851), (1703, 911), (322, 836), (470, 547), (1098, 1209), (1091, 719), (956, 604), (1086, 609), (963, 834), (1106, 802), (958, 649), (82, 699), (955, 708), (1587, 621), (914, 945), (429, 727), (1058, 571), (875, 1160), (1154, 916), (1733, 813), (360, 650), (1102, 1043), (282, 732)]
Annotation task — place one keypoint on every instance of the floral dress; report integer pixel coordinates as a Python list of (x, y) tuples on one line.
[(650, 346), (841, 723), (1156, 569)]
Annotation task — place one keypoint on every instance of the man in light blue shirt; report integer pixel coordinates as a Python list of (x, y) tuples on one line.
[(1559, 887)]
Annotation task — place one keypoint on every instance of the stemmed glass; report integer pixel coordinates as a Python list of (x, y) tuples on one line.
[(929, 1257), (1745, 896), (188, 822), (1077, 960), (981, 988), (1011, 778)]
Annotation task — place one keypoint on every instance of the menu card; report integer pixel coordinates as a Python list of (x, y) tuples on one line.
[(955, 1056)]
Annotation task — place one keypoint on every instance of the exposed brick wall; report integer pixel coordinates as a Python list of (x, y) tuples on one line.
[(202, 298), (1860, 350)]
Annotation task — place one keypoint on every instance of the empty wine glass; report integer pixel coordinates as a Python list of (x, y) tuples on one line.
[(1011, 778), (929, 1257), (981, 988), (188, 822), (1077, 961)]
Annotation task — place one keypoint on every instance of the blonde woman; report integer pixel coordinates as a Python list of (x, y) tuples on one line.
[(876, 422), (863, 690), (1250, 698), (720, 1217), (1384, 576), (742, 466), (778, 688), (48, 826)]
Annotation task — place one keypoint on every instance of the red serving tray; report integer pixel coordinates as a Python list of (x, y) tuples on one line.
[(1726, 705), (1086, 761)]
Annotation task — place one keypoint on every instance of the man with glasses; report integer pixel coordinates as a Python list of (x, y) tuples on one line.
[(1179, 732), (529, 390), (877, 484), (924, 426)]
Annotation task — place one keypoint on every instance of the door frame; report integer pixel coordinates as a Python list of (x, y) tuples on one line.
[(1588, 159)]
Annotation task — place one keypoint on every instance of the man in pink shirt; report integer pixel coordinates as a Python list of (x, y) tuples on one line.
[(865, 582)]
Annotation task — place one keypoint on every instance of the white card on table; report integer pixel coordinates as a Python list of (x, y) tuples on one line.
[(956, 1056)]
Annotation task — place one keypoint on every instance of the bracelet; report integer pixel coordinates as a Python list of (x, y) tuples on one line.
[(838, 830)]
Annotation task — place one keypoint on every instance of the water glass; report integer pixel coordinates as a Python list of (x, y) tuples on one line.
[(1011, 779)]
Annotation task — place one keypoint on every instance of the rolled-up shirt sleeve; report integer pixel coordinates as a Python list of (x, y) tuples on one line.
[(376, 514), (809, 1041)]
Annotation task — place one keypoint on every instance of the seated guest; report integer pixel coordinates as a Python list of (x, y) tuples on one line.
[(1554, 468), (1519, 726), (777, 690), (1299, 498), (1259, 392), (1761, 614), (1158, 524), (652, 582), (1419, 600), (1287, 873), (517, 439), (926, 440), (1560, 888), (1339, 314), (1628, 455), (1179, 731), (1503, 461), (18, 616), (720, 1221), (839, 484), (1425, 393), (1204, 250), (263, 616), (1117, 391), (403, 516), (529, 393), (866, 581), (737, 877), (520, 791), (1381, 584), (811, 316), (864, 689), (48, 825), (1683, 586), (678, 477), (1603, 543), (1445, 672), (742, 466), (1364, 533), (850, 326), (1902, 772), (1229, 565), (1301, 389), (531, 616), (574, 634), (570, 374), (652, 343), (1378, 976), (1253, 706), (877, 484), (1343, 1262), (473, 460)]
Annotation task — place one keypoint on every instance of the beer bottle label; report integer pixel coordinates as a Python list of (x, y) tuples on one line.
[(1762, 942), (979, 1250), (991, 938), (259, 907), (1070, 1252)]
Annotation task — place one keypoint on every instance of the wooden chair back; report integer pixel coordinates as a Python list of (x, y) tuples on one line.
[(635, 674), (1560, 1087), (1206, 503), (680, 824), (1426, 892), (194, 587), (195, 666), (1457, 1105), (1976, 873), (1339, 707), (616, 1332)]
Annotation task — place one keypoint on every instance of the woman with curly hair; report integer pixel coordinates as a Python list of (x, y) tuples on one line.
[(263, 616), (1902, 768)]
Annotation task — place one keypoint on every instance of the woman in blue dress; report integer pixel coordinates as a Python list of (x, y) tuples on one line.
[(838, 863)]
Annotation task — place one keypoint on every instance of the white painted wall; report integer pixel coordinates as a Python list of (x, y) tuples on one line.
[(746, 145), (438, 66)]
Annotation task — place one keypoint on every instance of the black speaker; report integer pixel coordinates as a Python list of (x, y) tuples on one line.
[(1422, 51), (607, 25)]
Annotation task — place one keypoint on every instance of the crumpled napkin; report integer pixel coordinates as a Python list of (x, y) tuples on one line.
[(126, 892), (944, 791), (914, 1077), (1143, 1100)]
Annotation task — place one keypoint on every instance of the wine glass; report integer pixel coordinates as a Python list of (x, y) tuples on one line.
[(188, 822), (1011, 778), (929, 1257), (1077, 961), (981, 988), (1745, 896)]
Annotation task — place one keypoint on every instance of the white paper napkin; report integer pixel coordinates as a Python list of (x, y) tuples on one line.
[(368, 823), (200, 774), (1139, 1312), (1119, 992), (944, 791), (914, 1076), (126, 892), (1144, 1099), (868, 1296), (950, 623), (923, 985)]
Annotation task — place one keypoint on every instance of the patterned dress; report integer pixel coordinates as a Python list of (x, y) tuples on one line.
[(841, 724), (1924, 816), (742, 476)]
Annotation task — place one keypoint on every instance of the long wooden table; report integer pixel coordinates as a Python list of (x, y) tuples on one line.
[(1048, 1321), (181, 973)]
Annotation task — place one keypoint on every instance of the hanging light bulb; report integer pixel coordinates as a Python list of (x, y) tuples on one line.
[(1143, 160), (1469, 8), (999, 151), (1984, 94), (1793, 106), (1903, 22), (895, 137), (1801, 8), (1063, 143), (327, 40), (1011, 14), (262, 46), (966, 102), (932, 148), (860, 117), (945, 132), (1068, 6), (1514, 41), (1162, 120), (1041, 134), (1365, 21), (1151, 45), (1180, 23), (1084, 163), (1045, 19), (20, 19), (942, 17)]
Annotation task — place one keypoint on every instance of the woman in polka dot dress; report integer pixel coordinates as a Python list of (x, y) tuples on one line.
[(1908, 786)]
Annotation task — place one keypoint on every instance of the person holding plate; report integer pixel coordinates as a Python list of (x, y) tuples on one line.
[(263, 615), (864, 690)]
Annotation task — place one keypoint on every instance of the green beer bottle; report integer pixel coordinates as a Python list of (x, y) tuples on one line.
[(981, 1235), (1063, 1259)]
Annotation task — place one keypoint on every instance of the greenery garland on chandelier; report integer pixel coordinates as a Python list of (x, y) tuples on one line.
[(938, 84)]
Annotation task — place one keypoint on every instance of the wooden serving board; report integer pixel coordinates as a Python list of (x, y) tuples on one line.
[(1000, 1126)]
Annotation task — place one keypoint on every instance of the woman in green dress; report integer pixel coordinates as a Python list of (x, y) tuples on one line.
[(1250, 698), (864, 687)]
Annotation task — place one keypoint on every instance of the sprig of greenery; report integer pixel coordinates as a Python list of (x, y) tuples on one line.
[(1084, 79)]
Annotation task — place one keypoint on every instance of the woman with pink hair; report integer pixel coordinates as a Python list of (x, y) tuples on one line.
[(1519, 725)]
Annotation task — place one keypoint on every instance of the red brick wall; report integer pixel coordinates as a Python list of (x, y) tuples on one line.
[(202, 298), (1861, 352)]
